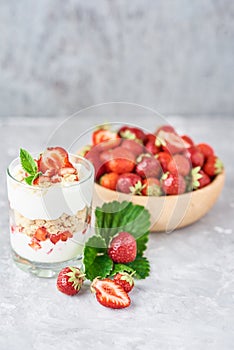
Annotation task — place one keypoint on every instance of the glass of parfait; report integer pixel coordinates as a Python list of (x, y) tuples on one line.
[(50, 200)]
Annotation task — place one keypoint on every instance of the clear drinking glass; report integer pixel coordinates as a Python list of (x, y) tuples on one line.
[(49, 225)]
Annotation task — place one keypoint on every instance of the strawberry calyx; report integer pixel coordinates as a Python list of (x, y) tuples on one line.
[(218, 166), (195, 173), (137, 188), (143, 155), (76, 277)]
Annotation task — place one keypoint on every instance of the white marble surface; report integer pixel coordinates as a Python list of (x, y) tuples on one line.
[(186, 303), (58, 56)]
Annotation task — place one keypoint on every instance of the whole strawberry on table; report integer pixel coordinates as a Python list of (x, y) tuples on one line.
[(163, 163)]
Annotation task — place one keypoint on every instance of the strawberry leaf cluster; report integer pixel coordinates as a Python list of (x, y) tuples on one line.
[(112, 218)]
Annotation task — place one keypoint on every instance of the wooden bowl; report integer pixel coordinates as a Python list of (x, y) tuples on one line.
[(168, 212)]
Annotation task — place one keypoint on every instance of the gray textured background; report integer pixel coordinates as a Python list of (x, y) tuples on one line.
[(173, 55)]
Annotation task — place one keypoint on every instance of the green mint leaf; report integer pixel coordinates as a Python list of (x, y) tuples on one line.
[(121, 268), (95, 259), (27, 162), (30, 179), (116, 216), (141, 267)]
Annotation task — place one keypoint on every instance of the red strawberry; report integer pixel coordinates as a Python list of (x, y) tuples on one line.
[(122, 161), (150, 138), (70, 280), (41, 234), (135, 147), (109, 180), (188, 141), (173, 184), (213, 166), (196, 157), (67, 171), (152, 148), (125, 280), (167, 128), (54, 238), (35, 244), (41, 179), (200, 178), (205, 149), (151, 187), (129, 183), (94, 158), (123, 248), (52, 160), (179, 164), (65, 235), (105, 139), (164, 159), (110, 294), (148, 167), (132, 133), (170, 142)]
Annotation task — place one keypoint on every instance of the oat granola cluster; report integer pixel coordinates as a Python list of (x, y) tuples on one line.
[(73, 223)]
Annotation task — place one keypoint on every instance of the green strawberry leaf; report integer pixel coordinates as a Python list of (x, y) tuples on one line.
[(141, 267), (121, 268), (142, 244), (95, 259), (116, 216), (27, 162)]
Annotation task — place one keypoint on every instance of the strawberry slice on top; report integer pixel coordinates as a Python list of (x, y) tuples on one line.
[(53, 159)]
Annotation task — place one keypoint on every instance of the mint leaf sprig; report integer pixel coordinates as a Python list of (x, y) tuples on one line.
[(29, 166), (111, 218)]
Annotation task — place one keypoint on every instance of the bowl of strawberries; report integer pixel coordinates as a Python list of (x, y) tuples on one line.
[(176, 179)]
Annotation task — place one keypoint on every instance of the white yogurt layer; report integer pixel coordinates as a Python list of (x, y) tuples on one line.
[(51, 202), (49, 252)]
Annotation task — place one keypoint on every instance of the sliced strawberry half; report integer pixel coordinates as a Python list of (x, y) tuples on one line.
[(110, 294), (52, 160), (171, 142)]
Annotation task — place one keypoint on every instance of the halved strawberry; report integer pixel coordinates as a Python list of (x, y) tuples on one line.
[(110, 294), (109, 180), (170, 142), (166, 127), (129, 183), (52, 160)]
